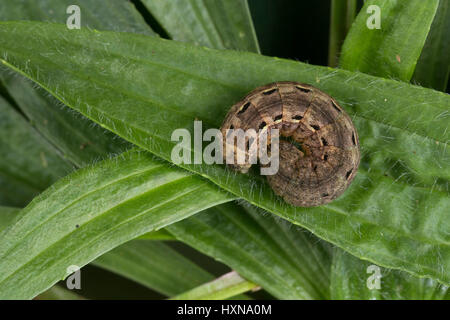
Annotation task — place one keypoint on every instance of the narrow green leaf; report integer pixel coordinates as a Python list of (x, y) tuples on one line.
[(343, 13), (155, 265), (58, 293), (219, 24), (28, 164), (433, 67), (157, 235), (114, 15), (352, 278), (395, 47), (401, 188), (92, 211), (7, 214), (76, 137), (224, 287), (284, 259)]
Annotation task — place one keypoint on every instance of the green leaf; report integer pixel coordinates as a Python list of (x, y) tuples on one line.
[(285, 260), (352, 278), (224, 287), (7, 214), (343, 13), (28, 163), (76, 137), (400, 191), (155, 265), (58, 293), (92, 211), (114, 15), (157, 235), (393, 49), (433, 67), (221, 24)]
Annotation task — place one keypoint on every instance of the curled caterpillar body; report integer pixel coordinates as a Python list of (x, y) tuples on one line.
[(319, 147)]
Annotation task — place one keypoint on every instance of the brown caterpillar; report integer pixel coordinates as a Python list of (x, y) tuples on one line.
[(321, 159)]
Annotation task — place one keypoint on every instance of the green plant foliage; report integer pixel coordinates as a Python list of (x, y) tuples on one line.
[(224, 287), (7, 214), (403, 155), (343, 13), (351, 282), (74, 136), (215, 24), (155, 265), (115, 15), (58, 293), (394, 49), (433, 67), (92, 211), (28, 164), (394, 213), (253, 242), (351, 279)]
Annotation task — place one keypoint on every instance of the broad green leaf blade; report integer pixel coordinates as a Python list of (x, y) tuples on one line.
[(155, 265), (167, 84), (433, 67), (285, 260), (393, 49), (157, 235), (76, 137), (92, 211), (114, 15), (224, 287), (352, 278), (7, 214), (348, 281), (58, 293), (219, 24), (28, 164), (342, 14)]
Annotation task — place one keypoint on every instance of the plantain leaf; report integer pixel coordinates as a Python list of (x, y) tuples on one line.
[(361, 280), (286, 260), (92, 211), (28, 163), (393, 214), (342, 14), (224, 287), (433, 67), (157, 235), (58, 293), (76, 137), (155, 265), (351, 283), (114, 15), (220, 24), (393, 47), (7, 214)]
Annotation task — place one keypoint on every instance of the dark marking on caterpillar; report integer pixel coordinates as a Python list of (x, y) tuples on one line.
[(335, 106), (305, 90), (269, 91), (244, 108), (262, 125), (348, 173), (313, 175)]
